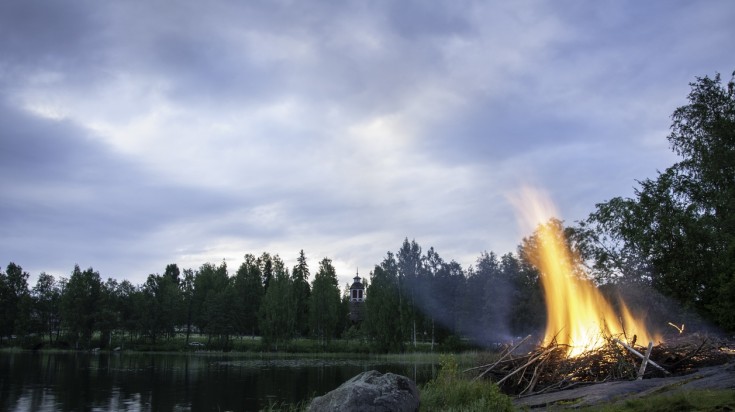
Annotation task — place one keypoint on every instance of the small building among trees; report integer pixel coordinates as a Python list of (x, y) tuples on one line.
[(357, 300)]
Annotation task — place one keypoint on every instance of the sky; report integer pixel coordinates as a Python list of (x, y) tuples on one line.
[(141, 133)]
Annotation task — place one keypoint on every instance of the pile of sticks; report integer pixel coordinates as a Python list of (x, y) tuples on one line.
[(548, 368)]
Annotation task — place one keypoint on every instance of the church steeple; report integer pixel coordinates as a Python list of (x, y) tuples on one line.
[(357, 290), (357, 299)]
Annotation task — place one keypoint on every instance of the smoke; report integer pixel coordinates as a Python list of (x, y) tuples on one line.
[(662, 315), (492, 312), (489, 312), (493, 318)]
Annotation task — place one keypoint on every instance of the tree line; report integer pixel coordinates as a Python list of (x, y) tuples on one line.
[(412, 297), (675, 237), (261, 298)]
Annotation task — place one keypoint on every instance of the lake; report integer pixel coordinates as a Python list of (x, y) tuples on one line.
[(200, 381)]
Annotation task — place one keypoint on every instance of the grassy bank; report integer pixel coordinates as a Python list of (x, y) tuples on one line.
[(700, 400), (452, 391), (198, 342), (472, 397), (465, 396)]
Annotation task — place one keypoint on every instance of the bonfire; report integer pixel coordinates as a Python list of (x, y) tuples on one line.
[(587, 338)]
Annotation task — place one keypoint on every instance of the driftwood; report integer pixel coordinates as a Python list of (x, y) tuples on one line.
[(547, 368)]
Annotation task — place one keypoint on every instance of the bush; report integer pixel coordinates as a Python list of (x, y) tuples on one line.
[(451, 392)]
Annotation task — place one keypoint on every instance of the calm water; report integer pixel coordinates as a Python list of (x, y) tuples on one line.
[(175, 382)]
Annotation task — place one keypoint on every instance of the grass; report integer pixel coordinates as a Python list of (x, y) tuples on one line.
[(286, 407), (464, 359), (700, 400), (177, 343), (450, 391), (246, 344)]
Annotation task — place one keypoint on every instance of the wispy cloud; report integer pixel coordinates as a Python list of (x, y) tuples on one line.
[(138, 134)]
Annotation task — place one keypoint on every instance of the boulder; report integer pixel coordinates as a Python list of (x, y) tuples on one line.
[(370, 391)]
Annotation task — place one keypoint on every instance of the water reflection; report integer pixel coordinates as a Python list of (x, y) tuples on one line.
[(70, 381)]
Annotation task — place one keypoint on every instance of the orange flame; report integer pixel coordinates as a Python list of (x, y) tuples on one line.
[(578, 315)]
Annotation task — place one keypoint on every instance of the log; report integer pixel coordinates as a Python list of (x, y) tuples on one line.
[(640, 355), (642, 370)]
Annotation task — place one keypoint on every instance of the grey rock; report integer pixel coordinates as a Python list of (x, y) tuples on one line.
[(370, 391)]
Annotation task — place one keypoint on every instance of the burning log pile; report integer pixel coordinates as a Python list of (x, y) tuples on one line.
[(600, 328), (549, 368)]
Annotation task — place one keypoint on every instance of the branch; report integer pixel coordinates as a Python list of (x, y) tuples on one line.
[(642, 370), (635, 352), (491, 366)]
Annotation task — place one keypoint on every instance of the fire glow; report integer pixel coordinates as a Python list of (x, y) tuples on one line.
[(578, 314)]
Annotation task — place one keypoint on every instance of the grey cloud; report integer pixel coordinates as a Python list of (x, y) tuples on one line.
[(485, 93), (416, 19), (40, 32), (493, 131), (203, 57), (590, 84), (66, 196), (49, 37)]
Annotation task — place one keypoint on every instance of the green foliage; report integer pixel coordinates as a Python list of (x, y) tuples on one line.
[(408, 266), (678, 233), (278, 310), (221, 315), (161, 301), (210, 283), (302, 292), (186, 315), (80, 303), (451, 391), (249, 293), (108, 318), (47, 295), (383, 326), (172, 272), (441, 300), (324, 303), (14, 307), (7, 307), (129, 302), (209, 302), (26, 324), (265, 262)]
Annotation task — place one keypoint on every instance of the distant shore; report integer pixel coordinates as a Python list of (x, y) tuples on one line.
[(249, 344)]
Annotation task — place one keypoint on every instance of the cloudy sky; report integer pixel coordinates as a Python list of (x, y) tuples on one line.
[(137, 134)]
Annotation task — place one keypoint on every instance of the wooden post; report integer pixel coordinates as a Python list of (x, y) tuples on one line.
[(642, 370)]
